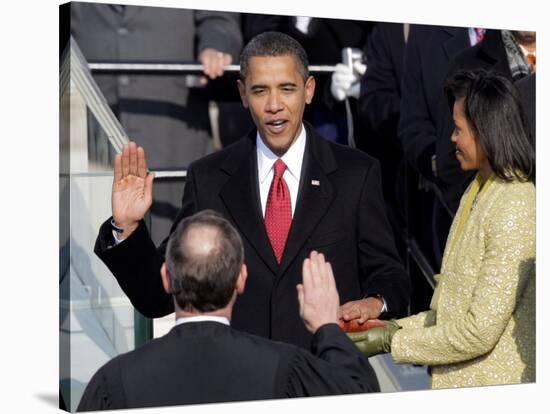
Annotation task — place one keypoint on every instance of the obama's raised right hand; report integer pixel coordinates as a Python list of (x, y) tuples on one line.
[(132, 192)]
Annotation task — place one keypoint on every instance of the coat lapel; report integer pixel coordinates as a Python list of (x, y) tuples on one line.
[(241, 198), (315, 195), (494, 52), (457, 41)]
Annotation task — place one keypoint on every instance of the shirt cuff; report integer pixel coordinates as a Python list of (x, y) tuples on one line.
[(118, 241), (384, 304)]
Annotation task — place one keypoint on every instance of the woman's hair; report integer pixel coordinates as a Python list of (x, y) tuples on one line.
[(494, 112)]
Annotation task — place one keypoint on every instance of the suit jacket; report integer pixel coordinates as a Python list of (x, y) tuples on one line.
[(425, 112), (381, 85), (378, 108), (480, 329), (206, 362), (343, 217), (488, 54)]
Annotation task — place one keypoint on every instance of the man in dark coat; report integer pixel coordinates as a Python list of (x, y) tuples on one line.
[(327, 198), (202, 359), (425, 114), (378, 108)]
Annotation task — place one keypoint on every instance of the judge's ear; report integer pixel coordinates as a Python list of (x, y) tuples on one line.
[(241, 279), (165, 276)]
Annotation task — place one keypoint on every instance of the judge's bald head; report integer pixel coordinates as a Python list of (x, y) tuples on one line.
[(204, 256)]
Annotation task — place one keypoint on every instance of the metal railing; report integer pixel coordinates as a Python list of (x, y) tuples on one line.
[(172, 68), (95, 101)]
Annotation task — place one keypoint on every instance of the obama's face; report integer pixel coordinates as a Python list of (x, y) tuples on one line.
[(276, 94)]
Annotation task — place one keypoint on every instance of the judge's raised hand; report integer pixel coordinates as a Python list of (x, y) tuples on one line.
[(132, 189), (317, 294)]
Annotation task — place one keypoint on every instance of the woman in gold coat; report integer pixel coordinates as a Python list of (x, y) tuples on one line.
[(480, 328)]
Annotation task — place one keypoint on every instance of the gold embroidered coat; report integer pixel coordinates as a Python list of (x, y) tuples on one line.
[(480, 328)]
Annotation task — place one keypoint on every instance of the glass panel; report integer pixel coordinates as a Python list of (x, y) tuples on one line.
[(96, 317)]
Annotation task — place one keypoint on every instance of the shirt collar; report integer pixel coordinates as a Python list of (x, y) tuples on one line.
[(292, 158), (473, 35), (202, 318)]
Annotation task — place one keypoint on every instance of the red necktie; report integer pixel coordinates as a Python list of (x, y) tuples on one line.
[(278, 211)]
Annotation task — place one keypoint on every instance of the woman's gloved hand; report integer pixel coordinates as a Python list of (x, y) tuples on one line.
[(376, 340)]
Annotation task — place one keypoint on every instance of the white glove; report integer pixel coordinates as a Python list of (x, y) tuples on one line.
[(346, 81)]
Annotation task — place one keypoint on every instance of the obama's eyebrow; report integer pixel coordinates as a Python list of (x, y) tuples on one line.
[(260, 86)]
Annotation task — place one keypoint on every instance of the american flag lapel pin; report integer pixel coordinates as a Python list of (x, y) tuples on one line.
[(315, 182)]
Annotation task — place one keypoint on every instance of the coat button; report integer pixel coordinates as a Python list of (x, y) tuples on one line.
[(122, 31), (123, 80)]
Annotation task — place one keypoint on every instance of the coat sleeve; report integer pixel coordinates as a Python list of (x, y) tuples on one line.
[(416, 129), (380, 97), (334, 367), (420, 320), (220, 31), (507, 267), (136, 262), (382, 272), (426, 318)]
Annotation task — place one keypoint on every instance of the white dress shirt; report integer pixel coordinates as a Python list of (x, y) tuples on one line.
[(202, 318), (293, 159)]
